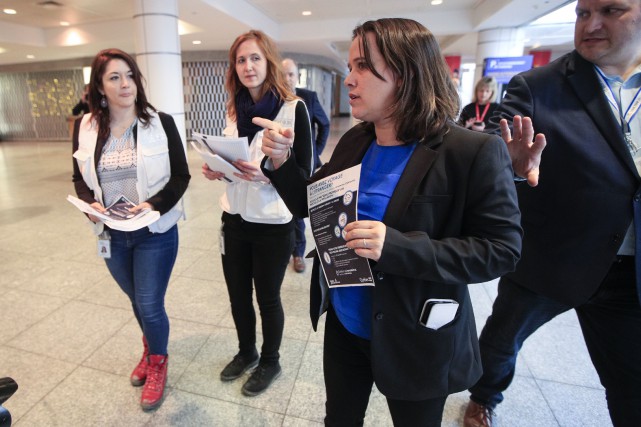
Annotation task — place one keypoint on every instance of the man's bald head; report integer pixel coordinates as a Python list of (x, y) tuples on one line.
[(291, 72)]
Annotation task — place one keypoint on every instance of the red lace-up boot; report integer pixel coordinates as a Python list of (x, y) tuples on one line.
[(139, 373), (152, 392)]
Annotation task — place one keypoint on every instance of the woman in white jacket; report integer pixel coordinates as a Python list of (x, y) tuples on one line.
[(126, 148), (257, 235)]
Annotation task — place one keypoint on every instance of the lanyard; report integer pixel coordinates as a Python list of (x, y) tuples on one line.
[(630, 112), (480, 118)]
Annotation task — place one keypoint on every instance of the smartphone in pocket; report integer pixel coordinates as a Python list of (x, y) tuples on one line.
[(438, 312)]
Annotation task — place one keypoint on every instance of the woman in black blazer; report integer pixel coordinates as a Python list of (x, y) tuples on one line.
[(437, 210)]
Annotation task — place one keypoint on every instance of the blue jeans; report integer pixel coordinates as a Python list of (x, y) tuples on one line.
[(611, 324), (141, 263)]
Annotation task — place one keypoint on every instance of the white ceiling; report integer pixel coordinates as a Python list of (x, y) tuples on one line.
[(98, 24)]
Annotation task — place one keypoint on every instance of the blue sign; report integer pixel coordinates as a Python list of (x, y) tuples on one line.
[(503, 69)]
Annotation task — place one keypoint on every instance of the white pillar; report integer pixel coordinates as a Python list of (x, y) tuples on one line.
[(157, 47), (497, 42)]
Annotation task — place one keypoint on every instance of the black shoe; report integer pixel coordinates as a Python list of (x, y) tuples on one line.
[(237, 367), (261, 379)]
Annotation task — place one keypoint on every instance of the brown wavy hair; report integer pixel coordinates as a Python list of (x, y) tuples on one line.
[(427, 99), (274, 79), (98, 67)]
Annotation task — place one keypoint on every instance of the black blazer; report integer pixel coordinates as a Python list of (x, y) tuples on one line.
[(574, 221), (318, 120), (452, 220)]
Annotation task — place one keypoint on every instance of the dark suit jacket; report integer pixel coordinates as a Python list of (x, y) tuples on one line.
[(452, 220), (318, 119), (575, 219)]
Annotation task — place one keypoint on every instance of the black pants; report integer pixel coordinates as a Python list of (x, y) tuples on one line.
[(257, 253), (611, 326), (349, 380)]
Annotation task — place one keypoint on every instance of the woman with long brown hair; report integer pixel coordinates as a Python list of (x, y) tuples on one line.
[(124, 147), (257, 235)]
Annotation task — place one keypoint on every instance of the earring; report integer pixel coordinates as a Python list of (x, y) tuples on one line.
[(103, 102)]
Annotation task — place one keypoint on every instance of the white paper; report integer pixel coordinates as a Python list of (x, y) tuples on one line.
[(230, 149), (216, 162)]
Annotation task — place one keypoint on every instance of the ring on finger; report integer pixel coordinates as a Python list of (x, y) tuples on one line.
[(364, 243)]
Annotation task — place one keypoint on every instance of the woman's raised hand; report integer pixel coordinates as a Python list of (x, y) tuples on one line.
[(277, 140)]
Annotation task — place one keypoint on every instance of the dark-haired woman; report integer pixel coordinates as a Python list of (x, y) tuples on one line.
[(437, 210), (124, 147)]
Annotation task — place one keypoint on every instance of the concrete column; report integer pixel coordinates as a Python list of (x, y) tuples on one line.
[(158, 55), (497, 42)]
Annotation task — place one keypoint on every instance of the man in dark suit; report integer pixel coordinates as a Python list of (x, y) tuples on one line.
[(579, 240), (320, 132)]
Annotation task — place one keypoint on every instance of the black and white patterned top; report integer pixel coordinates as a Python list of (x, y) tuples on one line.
[(117, 168)]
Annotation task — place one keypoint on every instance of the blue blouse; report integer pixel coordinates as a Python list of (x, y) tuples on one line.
[(381, 170)]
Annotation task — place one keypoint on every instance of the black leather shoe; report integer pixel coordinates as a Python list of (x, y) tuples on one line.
[(237, 367), (262, 377)]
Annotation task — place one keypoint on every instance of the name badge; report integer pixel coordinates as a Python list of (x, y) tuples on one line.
[(104, 245)]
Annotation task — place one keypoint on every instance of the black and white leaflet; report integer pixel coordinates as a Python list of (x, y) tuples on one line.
[(332, 204)]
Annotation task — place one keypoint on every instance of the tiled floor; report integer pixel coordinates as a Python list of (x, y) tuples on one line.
[(69, 338)]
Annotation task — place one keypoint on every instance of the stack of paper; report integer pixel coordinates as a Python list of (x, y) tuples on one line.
[(220, 152), (117, 215)]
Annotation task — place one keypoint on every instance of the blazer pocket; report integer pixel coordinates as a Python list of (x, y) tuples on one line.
[(428, 213), (447, 329), (432, 198)]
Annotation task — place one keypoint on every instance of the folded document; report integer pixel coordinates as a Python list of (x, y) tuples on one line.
[(117, 215)]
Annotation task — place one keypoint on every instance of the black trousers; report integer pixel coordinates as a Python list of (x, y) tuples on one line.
[(256, 256), (611, 326), (349, 380)]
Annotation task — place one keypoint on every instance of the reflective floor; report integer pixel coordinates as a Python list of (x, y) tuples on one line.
[(69, 338)]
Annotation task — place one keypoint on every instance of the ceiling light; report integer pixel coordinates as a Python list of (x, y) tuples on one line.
[(49, 4), (307, 12), (436, 2), (73, 38), (196, 42), (64, 23), (9, 11), (30, 56)]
